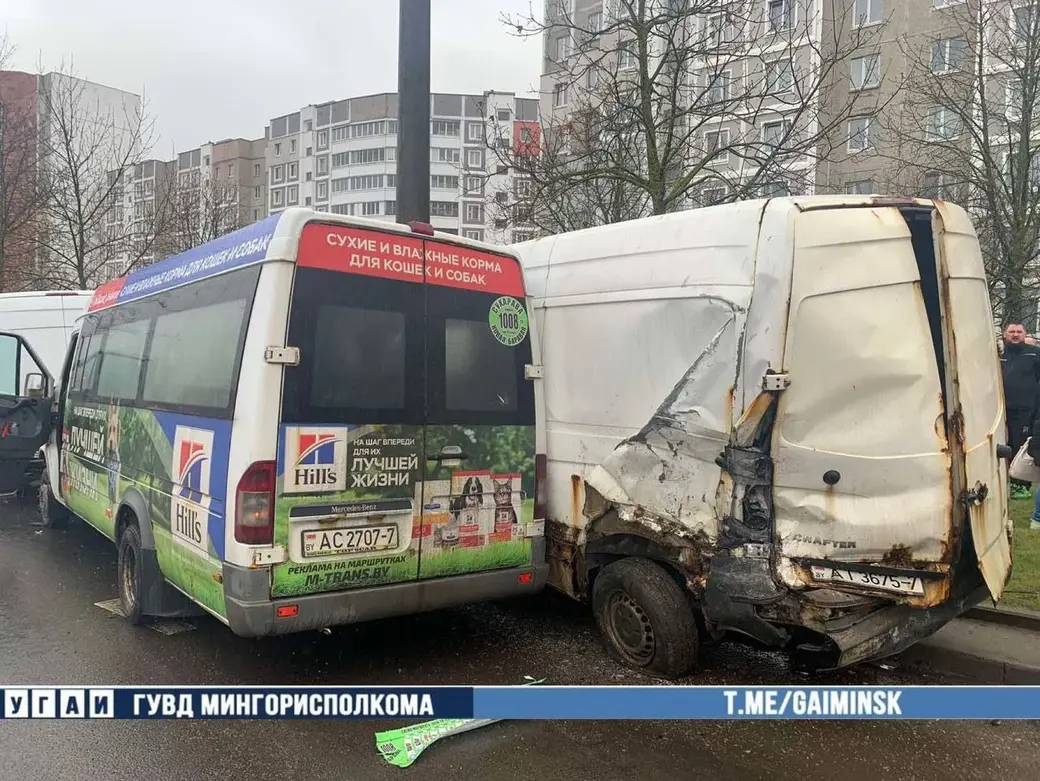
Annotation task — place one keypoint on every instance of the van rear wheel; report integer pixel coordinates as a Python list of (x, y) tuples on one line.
[(645, 618), (128, 574)]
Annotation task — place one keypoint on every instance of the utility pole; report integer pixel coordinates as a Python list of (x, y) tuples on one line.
[(413, 114)]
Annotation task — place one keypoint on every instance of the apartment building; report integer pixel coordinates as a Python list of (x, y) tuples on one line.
[(341, 157), (54, 108), (221, 186), (868, 115), (134, 218)]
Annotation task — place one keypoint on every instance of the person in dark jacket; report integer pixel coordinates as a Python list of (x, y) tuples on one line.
[(1020, 364)]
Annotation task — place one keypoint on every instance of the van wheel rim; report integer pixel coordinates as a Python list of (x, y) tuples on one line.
[(129, 578), (629, 628)]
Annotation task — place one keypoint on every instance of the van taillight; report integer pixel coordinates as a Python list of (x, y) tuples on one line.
[(254, 505), (540, 466)]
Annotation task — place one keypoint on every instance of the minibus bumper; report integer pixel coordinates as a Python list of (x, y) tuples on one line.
[(251, 612)]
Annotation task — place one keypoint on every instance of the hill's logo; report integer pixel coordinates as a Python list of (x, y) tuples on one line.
[(189, 510), (315, 459)]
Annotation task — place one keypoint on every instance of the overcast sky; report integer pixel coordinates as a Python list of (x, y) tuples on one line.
[(213, 69)]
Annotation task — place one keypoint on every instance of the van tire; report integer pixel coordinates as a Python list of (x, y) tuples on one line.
[(53, 513), (645, 618), (129, 579)]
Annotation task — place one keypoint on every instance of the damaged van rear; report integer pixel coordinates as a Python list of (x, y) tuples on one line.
[(779, 418)]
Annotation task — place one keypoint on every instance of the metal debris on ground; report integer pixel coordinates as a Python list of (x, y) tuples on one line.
[(164, 626), (401, 747)]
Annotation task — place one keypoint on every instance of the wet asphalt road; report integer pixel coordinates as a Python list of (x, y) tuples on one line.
[(51, 633)]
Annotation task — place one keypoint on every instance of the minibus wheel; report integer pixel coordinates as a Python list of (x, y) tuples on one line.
[(54, 514), (645, 618), (129, 576)]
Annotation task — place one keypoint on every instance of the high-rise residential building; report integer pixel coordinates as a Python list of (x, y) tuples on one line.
[(221, 186), (75, 124), (341, 157)]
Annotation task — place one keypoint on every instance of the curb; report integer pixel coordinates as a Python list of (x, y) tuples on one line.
[(970, 666), (1022, 619)]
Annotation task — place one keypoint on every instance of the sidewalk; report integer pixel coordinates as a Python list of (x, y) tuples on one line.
[(983, 651)]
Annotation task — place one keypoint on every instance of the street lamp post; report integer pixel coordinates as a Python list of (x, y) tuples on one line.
[(413, 114)]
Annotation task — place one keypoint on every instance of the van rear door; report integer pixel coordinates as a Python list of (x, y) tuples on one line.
[(478, 489), (871, 479)]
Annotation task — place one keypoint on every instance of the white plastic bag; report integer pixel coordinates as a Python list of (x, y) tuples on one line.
[(1023, 467)]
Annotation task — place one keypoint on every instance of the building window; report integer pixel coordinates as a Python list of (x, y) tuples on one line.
[(474, 212), (341, 159), (308, 126), (391, 207), (444, 209), (948, 55), (781, 15), (861, 134), (868, 12), (276, 197), (444, 155), (370, 208), (718, 87), (444, 127), (779, 76), (323, 165), (524, 188), (323, 139), (935, 186), (278, 174), (1014, 99), (560, 95), (391, 180), (256, 169), (391, 154), (563, 48), (716, 143), (595, 22), (322, 191), (294, 171), (865, 187), (342, 133), (774, 133), (1022, 24), (257, 193), (774, 190), (627, 55), (474, 185), (438, 182), (359, 157), (310, 151), (943, 124), (292, 146), (205, 160), (277, 150), (866, 72), (712, 195), (343, 208), (256, 215), (292, 195), (720, 28), (473, 234), (475, 158)]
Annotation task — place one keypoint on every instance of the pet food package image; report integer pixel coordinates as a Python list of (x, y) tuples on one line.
[(432, 517), (508, 497), (471, 506)]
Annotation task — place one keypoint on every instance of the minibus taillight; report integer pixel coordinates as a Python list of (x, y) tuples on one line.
[(540, 466), (254, 505)]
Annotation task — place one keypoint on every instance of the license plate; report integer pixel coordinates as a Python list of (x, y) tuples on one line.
[(359, 539), (899, 584)]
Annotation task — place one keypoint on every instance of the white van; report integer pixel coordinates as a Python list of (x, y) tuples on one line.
[(781, 418), (312, 421), (47, 320)]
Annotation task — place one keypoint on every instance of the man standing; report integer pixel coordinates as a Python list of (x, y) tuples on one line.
[(1020, 365)]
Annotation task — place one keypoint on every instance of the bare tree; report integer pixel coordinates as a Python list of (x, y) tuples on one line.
[(970, 132), (656, 105), (198, 209), (22, 195), (90, 138)]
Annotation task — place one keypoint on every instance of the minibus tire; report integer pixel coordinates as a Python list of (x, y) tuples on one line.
[(53, 513), (645, 618), (128, 574)]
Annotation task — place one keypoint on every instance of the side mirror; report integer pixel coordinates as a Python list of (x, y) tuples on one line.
[(35, 385)]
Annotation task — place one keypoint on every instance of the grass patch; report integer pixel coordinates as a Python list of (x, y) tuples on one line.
[(462, 560), (1023, 591)]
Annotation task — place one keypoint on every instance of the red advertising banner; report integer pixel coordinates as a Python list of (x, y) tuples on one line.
[(408, 259)]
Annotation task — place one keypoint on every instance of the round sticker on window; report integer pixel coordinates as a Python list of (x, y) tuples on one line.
[(508, 321)]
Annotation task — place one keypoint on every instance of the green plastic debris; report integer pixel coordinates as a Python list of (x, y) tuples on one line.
[(401, 747)]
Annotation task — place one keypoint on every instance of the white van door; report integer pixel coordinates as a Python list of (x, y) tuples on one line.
[(869, 444)]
